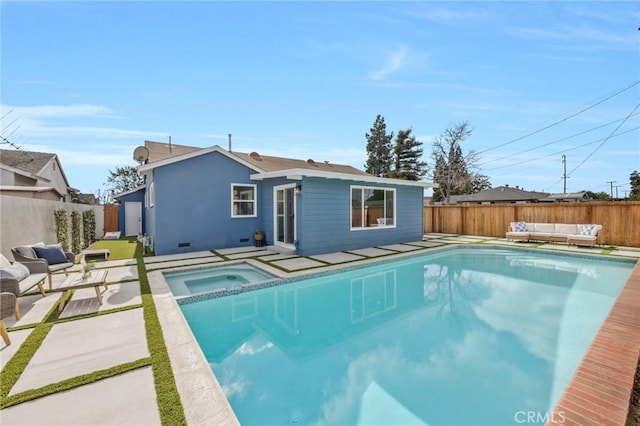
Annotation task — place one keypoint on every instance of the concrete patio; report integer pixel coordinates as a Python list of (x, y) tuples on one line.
[(82, 341)]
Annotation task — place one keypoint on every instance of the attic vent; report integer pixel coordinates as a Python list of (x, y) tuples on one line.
[(255, 156), (310, 161)]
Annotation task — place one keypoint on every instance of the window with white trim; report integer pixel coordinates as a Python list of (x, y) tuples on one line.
[(243, 200), (372, 207), (152, 195)]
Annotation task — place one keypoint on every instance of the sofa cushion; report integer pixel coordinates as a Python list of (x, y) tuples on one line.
[(547, 228), (519, 226), (53, 255), (566, 229), (587, 229), (17, 271)]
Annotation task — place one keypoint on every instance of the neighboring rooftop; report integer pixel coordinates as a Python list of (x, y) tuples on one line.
[(501, 194), (27, 161)]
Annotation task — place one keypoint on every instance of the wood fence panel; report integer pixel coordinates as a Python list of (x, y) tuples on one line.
[(620, 220)]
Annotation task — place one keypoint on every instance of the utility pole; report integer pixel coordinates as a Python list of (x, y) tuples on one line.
[(616, 187), (564, 175), (611, 182)]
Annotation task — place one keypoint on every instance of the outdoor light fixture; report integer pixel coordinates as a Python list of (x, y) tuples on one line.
[(299, 190)]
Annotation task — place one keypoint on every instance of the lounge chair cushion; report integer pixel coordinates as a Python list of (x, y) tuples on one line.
[(17, 271), (52, 254)]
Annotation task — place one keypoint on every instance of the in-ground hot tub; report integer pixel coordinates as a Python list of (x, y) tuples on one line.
[(204, 280)]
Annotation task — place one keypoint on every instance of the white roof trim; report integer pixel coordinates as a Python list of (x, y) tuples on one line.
[(147, 168), (17, 188), (297, 174), (131, 191)]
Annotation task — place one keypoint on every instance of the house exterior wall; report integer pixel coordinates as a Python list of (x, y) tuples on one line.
[(192, 205), (324, 217), (134, 196), (53, 172)]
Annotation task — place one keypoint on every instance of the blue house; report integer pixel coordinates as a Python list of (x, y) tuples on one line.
[(211, 198)]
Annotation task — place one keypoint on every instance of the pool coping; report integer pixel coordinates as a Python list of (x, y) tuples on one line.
[(598, 393), (600, 390)]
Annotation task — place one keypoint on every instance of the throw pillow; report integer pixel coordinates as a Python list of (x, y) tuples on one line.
[(26, 251), (17, 271), (53, 255), (520, 227), (4, 261), (587, 229)]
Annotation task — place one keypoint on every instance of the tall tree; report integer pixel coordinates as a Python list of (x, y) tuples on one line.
[(634, 181), (407, 154), (454, 169), (379, 158), (124, 178)]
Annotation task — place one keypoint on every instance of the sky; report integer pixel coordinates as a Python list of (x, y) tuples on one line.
[(536, 81)]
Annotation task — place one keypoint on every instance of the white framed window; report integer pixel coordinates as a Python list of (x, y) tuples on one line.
[(372, 208), (243, 200), (152, 195)]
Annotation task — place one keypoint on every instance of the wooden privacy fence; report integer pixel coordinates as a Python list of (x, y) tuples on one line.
[(620, 220)]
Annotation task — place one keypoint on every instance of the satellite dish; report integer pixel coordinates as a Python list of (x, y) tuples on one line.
[(141, 154)]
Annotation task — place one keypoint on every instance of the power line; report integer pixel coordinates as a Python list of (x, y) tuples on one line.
[(606, 139), (564, 150), (593, 105), (552, 142)]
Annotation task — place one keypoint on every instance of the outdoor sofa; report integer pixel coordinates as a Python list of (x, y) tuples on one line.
[(56, 259), (578, 234), (19, 278)]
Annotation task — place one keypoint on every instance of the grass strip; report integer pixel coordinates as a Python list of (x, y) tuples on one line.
[(169, 404), (19, 361), (74, 382)]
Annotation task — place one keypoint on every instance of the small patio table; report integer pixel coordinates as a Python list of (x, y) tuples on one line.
[(96, 252), (95, 279)]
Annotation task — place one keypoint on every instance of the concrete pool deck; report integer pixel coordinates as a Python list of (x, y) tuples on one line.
[(90, 343)]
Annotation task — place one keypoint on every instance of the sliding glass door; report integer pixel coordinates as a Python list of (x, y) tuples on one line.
[(285, 215)]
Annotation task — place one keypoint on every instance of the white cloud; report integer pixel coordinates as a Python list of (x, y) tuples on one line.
[(396, 60)]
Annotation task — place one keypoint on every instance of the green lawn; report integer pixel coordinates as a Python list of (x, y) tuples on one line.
[(123, 248)]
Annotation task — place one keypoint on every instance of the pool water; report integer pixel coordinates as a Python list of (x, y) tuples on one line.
[(191, 282), (458, 337)]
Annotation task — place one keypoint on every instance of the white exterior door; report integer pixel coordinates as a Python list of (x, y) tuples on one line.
[(132, 218)]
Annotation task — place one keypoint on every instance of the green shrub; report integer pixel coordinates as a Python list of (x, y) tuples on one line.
[(76, 232), (88, 227), (62, 228)]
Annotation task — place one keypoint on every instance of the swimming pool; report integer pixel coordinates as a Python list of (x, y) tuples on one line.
[(466, 336), (204, 280)]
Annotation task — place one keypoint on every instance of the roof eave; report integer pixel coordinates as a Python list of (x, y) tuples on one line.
[(298, 174)]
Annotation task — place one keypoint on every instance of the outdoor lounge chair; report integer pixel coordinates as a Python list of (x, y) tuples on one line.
[(21, 277), (56, 259), (7, 302)]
